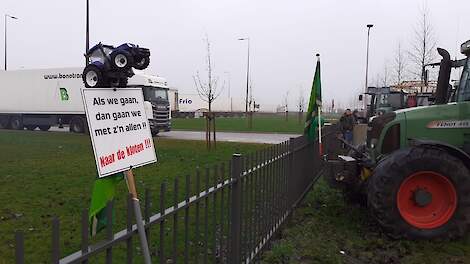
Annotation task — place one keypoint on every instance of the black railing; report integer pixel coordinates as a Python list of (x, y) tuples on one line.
[(228, 214)]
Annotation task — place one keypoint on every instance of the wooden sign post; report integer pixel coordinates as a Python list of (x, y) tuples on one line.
[(121, 139), (129, 175)]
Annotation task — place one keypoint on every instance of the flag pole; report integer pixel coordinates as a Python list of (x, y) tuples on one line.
[(320, 144), (138, 215)]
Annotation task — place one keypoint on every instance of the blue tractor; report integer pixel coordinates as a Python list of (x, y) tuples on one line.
[(110, 66)]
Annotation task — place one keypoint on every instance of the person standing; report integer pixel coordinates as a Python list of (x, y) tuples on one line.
[(346, 125)]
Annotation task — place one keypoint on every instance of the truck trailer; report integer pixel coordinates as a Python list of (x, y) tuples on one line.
[(41, 98)]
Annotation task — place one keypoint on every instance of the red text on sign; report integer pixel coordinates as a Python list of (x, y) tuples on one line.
[(106, 160)]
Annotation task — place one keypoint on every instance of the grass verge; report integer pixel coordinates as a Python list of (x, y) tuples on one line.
[(326, 229), (51, 174)]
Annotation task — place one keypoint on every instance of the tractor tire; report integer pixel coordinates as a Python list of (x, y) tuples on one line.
[(78, 125), (93, 76), (121, 59), (421, 193), (45, 128), (16, 123), (142, 64), (31, 127)]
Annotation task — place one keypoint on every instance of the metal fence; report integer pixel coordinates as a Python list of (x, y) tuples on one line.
[(228, 214)]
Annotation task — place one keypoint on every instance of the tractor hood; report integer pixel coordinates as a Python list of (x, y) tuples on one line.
[(431, 122)]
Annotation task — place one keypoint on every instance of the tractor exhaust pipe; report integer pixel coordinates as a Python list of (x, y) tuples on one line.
[(444, 77)]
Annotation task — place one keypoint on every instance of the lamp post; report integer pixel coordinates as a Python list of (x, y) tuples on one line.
[(367, 66), (230, 98), (6, 17), (247, 73)]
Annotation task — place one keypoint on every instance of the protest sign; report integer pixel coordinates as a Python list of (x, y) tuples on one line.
[(119, 129)]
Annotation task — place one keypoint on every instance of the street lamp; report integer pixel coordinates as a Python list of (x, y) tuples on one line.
[(12, 17), (247, 74), (367, 65), (228, 77)]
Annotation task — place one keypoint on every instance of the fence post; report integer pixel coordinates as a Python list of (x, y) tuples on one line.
[(235, 206), (85, 233), (19, 247), (290, 174), (55, 241)]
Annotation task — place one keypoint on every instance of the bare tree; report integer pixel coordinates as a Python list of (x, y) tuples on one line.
[(399, 65), (385, 75), (301, 104), (423, 45), (285, 101), (208, 91)]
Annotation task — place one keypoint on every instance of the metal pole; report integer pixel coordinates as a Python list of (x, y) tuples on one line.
[(235, 217), (367, 67), (5, 38), (247, 77), (12, 17), (87, 37)]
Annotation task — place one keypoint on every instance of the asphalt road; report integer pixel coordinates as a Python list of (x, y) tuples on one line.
[(264, 138)]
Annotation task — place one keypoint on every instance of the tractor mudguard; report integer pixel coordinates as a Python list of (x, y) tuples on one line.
[(459, 153)]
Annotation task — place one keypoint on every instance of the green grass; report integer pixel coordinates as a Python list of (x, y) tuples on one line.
[(51, 174), (326, 229), (261, 123)]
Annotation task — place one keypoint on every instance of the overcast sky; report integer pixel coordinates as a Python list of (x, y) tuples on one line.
[(285, 35)]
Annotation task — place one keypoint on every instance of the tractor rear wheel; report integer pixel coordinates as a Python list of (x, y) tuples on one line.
[(421, 193)]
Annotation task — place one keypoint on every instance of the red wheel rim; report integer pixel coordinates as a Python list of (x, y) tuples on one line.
[(434, 212)]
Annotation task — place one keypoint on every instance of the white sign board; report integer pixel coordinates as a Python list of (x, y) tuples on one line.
[(119, 129)]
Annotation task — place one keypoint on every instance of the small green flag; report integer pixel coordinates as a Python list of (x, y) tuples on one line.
[(311, 122), (103, 192)]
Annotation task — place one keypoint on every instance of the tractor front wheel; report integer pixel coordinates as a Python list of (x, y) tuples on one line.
[(421, 193)]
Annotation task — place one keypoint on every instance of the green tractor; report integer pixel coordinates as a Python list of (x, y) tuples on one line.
[(414, 170)]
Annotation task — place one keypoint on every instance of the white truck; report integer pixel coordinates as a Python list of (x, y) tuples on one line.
[(41, 98), (187, 105)]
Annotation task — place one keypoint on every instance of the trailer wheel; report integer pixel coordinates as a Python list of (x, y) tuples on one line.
[(78, 125), (121, 59), (4, 122), (31, 127), (45, 128), (421, 193), (16, 123), (142, 63), (92, 76)]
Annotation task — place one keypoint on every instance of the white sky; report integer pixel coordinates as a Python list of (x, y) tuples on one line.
[(285, 35)]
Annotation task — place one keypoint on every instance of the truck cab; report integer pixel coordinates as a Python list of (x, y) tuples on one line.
[(155, 91)]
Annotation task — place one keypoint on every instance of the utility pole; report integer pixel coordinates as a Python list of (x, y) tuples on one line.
[(367, 67)]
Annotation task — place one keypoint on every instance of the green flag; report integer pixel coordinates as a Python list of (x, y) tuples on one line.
[(311, 122), (103, 192)]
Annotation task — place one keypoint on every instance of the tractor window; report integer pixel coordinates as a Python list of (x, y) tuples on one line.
[(464, 86)]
